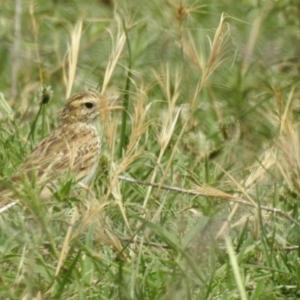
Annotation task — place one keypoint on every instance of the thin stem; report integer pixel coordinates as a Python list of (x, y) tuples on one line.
[(197, 193), (126, 96)]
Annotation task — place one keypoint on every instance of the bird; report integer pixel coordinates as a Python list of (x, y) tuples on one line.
[(73, 148)]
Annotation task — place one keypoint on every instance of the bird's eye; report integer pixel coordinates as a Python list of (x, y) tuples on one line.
[(89, 104)]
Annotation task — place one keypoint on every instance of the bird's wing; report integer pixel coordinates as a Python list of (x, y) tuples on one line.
[(67, 150)]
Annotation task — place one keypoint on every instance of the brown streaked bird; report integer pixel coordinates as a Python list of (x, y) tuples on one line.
[(74, 148)]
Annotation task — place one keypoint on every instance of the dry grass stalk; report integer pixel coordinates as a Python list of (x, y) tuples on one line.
[(168, 125), (118, 45), (35, 33), (288, 145), (15, 65), (72, 57), (260, 169), (207, 193), (215, 57), (289, 163), (140, 124), (109, 128), (227, 224), (239, 187), (115, 190), (133, 150), (89, 215), (254, 35), (21, 265), (65, 247)]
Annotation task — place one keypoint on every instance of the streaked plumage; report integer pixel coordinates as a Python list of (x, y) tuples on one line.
[(74, 148)]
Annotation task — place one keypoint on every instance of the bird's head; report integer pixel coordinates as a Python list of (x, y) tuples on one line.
[(85, 107)]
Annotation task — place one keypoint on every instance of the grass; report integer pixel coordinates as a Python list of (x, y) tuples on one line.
[(208, 145)]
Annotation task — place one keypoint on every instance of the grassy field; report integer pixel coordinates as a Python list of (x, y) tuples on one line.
[(197, 190)]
